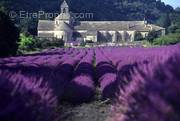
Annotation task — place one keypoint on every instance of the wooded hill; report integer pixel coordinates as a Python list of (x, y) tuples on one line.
[(154, 11)]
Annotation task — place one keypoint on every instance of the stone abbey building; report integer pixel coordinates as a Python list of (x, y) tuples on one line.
[(66, 28)]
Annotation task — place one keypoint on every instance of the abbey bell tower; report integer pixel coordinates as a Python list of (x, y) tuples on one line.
[(64, 7), (65, 15)]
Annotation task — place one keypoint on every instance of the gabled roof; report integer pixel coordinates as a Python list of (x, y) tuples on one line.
[(45, 25), (63, 27), (156, 28), (115, 26)]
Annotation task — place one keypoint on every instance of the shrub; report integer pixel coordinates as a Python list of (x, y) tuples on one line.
[(168, 39), (152, 35), (26, 42), (47, 43)]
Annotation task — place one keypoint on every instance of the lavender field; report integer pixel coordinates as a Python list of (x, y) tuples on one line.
[(139, 84)]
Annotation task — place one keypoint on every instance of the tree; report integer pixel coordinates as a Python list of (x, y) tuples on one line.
[(2, 6), (9, 36), (168, 39), (152, 35), (175, 20), (164, 20), (177, 9)]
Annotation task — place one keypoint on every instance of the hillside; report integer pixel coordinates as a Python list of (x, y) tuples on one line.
[(102, 9), (154, 11)]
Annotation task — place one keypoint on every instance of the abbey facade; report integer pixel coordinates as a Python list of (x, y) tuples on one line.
[(66, 28)]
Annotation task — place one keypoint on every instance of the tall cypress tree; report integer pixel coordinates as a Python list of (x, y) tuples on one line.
[(9, 35)]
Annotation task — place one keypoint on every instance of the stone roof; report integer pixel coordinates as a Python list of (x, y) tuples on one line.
[(45, 25), (114, 26), (64, 4), (156, 28), (63, 27), (91, 32)]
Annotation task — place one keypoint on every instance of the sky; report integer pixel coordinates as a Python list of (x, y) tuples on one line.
[(174, 3)]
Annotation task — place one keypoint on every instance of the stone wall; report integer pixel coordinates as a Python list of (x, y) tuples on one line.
[(100, 36)]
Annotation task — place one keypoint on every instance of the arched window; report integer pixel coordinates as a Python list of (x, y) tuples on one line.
[(64, 10), (138, 36), (56, 22), (119, 37)]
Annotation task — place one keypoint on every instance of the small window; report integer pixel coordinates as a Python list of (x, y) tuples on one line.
[(57, 23), (64, 10)]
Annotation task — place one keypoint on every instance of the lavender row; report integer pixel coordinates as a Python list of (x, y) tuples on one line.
[(106, 74), (152, 88), (82, 87), (36, 90), (140, 79)]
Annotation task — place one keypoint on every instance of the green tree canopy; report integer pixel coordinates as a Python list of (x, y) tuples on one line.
[(164, 20), (152, 35), (168, 39)]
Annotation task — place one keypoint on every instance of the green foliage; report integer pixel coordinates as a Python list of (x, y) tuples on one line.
[(2, 7), (151, 36), (49, 43), (138, 36), (9, 36), (175, 23), (164, 20), (168, 39), (154, 11), (102, 9), (28, 25), (26, 42), (83, 44)]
